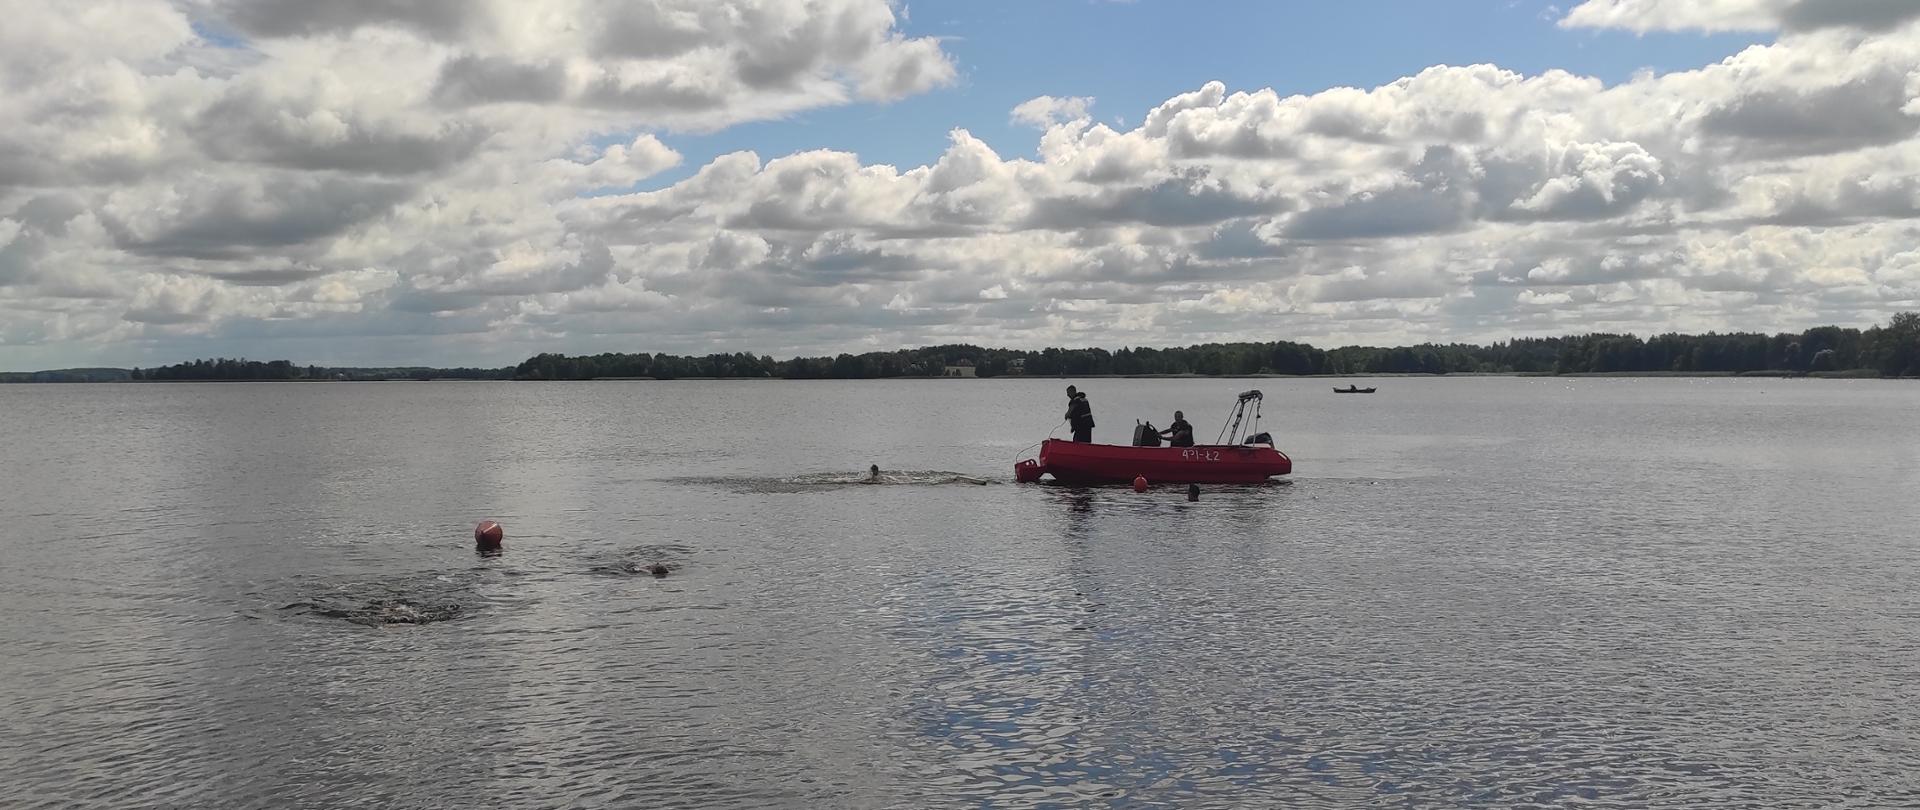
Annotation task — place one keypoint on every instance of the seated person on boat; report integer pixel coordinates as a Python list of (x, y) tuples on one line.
[(1178, 434)]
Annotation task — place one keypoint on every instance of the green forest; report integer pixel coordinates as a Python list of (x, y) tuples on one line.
[(241, 369), (1890, 350)]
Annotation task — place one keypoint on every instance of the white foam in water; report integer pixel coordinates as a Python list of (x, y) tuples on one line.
[(807, 482)]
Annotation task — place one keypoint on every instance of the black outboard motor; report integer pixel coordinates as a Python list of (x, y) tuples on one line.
[(1260, 438), (1144, 435)]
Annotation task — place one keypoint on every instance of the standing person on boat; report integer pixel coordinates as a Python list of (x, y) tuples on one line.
[(1079, 415), (1178, 434)]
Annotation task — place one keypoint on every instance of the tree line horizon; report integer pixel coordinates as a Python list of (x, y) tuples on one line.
[(1891, 350)]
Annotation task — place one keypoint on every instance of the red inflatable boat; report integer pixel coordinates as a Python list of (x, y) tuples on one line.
[(1083, 464)]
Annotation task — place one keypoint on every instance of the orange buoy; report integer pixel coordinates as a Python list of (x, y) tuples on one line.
[(488, 533), (1139, 483)]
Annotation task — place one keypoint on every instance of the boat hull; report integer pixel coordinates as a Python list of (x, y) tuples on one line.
[(1089, 464)]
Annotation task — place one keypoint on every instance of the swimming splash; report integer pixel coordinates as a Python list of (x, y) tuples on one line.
[(821, 482), (657, 570), (922, 478), (408, 600), (654, 561), (379, 612)]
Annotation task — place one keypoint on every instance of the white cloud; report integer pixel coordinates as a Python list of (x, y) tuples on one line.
[(1592, 181), (1046, 111), (1529, 298), (385, 168), (1657, 15), (1741, 15)]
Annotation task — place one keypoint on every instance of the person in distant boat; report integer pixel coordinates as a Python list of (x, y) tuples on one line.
[(1178, 434), (1079, 415)]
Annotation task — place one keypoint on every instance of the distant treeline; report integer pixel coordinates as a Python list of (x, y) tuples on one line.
[(1892, 350), (65, 375), (241, 369)]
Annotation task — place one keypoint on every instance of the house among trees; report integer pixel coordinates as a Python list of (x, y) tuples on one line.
[(1017, 365), (964, 368)]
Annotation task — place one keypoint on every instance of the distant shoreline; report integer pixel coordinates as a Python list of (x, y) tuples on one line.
[(1860, 374), (1888, 351)]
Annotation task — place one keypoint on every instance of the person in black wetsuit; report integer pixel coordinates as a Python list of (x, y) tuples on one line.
[(1178, 434), (1079, 415)]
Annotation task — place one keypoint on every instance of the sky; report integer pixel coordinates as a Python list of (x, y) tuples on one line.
[(470, 182)]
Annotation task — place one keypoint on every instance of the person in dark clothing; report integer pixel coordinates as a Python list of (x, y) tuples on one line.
[(1178, 434), (1079, 415)]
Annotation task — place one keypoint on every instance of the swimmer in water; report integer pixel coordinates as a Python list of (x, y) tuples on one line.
[(873, 473)]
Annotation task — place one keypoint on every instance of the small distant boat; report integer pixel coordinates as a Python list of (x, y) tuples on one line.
[(1083, 464), (1354, 389)]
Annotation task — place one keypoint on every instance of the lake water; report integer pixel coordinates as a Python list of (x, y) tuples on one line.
[(1489, 592)]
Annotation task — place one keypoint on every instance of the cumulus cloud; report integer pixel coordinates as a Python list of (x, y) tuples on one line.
[(1045, 111), (1864, 111), (279, 18), (1741, 15), (469, 80), (1872, 15), (1593, 181), (318, 173), (235, 218), (1657, 15)]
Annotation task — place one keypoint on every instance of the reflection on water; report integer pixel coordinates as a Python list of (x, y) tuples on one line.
[(1485, 592)]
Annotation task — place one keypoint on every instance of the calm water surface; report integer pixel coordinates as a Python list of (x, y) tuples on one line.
[(1474, 592)]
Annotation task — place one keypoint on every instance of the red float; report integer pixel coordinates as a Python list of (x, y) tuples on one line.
[(488, 533)]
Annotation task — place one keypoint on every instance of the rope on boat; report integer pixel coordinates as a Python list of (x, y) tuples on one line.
[(1056, 429)]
